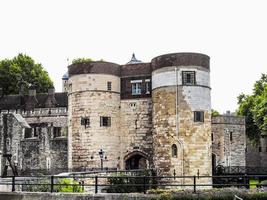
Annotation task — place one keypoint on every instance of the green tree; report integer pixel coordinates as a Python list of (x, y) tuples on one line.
[(254, 108), (22, 71), (84, 60), (214, 113), (81, 60)]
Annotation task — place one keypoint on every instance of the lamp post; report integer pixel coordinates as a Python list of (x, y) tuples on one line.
[(101, 155)]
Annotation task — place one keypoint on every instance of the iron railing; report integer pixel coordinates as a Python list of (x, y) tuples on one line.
[(130, 183), (219, 170)]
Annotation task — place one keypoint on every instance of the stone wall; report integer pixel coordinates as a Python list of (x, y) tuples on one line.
[(90, 98), (192, 139), (39, 152), (10, 135), (256, 154), (136, 128), (229, 140), (174, 105)]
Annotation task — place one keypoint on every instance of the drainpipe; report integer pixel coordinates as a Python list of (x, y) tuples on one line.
[(177, 122)]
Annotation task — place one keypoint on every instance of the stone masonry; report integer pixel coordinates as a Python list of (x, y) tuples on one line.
[(141, 115), (229, 141)]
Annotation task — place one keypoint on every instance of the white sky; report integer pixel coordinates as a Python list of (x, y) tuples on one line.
[(232, 32)]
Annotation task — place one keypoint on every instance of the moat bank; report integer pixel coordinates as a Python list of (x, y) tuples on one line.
[(69, 196)]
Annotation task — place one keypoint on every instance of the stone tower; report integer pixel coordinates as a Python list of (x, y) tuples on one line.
[(181, 114), (94, 106), (65, 84)]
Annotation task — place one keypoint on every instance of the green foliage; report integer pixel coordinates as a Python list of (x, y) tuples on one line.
[(22, 71), (84, 60), (41, 186), (68, 185), (254, 108), (123, 183), (81, 60), (214, 113)]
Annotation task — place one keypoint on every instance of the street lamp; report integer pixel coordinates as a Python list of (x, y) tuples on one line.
[(101, 155)]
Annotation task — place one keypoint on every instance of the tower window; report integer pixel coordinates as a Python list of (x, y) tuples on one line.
[(60, 132), (231, 136), (148, 86), (174, 150), (32, 132), (105, 121), (259, 149), (212, 138), (56, 132), (189, 77), (109, 86), (85, 121), (136, 88), (28, 133), (198, 116)]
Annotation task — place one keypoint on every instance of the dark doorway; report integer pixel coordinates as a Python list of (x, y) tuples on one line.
[(213, 163), (136, 162)]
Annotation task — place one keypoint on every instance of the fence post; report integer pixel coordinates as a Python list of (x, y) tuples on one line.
[(245, 180), (96, 184), (13, 183), (144, 184), (52, 183), (194, 184)]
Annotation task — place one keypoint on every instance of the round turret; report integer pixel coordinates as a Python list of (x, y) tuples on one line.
[(181, 114), (94, 102)]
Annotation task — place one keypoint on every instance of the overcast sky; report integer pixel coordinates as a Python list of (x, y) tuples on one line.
[(232, 32)]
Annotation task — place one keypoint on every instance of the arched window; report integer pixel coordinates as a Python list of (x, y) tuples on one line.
[(174, 150)]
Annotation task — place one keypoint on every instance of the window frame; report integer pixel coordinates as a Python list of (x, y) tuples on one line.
[(136, 87), (105, 121), (174, 150), (185, 78), (85, 121), (34, 132), (109, 86), (148, 86), (201, 117)]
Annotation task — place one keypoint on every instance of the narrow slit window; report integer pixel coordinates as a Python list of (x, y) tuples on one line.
[(109, 86), (174, 151), (231, 136), (148, 86)]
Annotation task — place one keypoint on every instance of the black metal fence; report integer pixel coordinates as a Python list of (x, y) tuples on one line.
[(127, 183), (240, 170)]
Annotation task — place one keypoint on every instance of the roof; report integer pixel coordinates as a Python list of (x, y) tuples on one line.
[(65, 76), (10, 102), (134, 60), (137, 69)]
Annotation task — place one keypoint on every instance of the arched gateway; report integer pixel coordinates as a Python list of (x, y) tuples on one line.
[(136, 160)]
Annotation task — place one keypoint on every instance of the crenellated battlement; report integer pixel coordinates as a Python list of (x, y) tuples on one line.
[(39, 112)]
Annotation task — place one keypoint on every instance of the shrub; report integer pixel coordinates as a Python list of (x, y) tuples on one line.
[(68, 185), (125, 183), (39, 186)]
